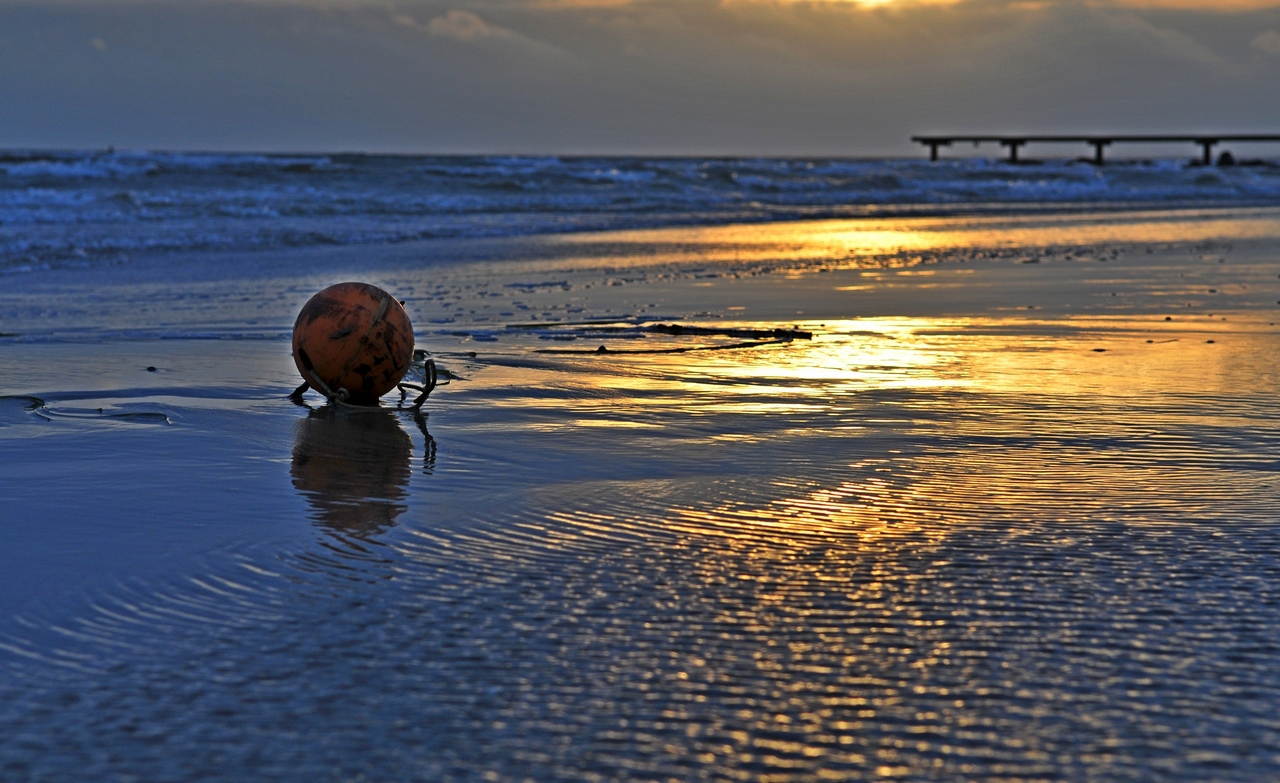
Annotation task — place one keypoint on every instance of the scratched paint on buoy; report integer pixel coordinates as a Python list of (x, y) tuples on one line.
[(354, 337)]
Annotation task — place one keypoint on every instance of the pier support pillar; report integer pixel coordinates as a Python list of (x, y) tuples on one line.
[(933, 144), (1013, 145), (1207, 145), (1098, 144)]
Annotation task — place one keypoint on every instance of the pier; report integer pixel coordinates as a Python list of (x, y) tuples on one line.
[(1099, 143)]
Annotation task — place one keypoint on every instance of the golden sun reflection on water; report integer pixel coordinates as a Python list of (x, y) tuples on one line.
[(854, 238), (1097, 355), (1015, 410)]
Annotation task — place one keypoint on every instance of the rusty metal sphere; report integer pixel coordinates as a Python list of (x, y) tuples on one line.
[(353, 342)]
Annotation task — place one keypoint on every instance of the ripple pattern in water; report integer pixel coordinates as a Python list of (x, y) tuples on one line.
[(940, 562)]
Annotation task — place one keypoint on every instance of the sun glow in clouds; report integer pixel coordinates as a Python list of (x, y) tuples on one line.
[(875, 3)]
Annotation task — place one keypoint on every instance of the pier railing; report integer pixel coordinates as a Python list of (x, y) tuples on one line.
[(1099, 143)]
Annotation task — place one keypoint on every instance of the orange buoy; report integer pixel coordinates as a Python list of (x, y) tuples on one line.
[(353, 342)]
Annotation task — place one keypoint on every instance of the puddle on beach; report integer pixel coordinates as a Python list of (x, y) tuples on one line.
[(904, 547), (933, 544)]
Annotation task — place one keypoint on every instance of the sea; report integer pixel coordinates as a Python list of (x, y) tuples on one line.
[(751, 470), (68, 209)]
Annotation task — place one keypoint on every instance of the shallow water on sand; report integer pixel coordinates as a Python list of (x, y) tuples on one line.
[(1016, 546)]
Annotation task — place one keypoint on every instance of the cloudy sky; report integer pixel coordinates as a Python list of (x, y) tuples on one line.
[(774, 77)]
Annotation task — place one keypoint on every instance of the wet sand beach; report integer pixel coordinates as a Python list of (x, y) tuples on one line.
[(961, 498)]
